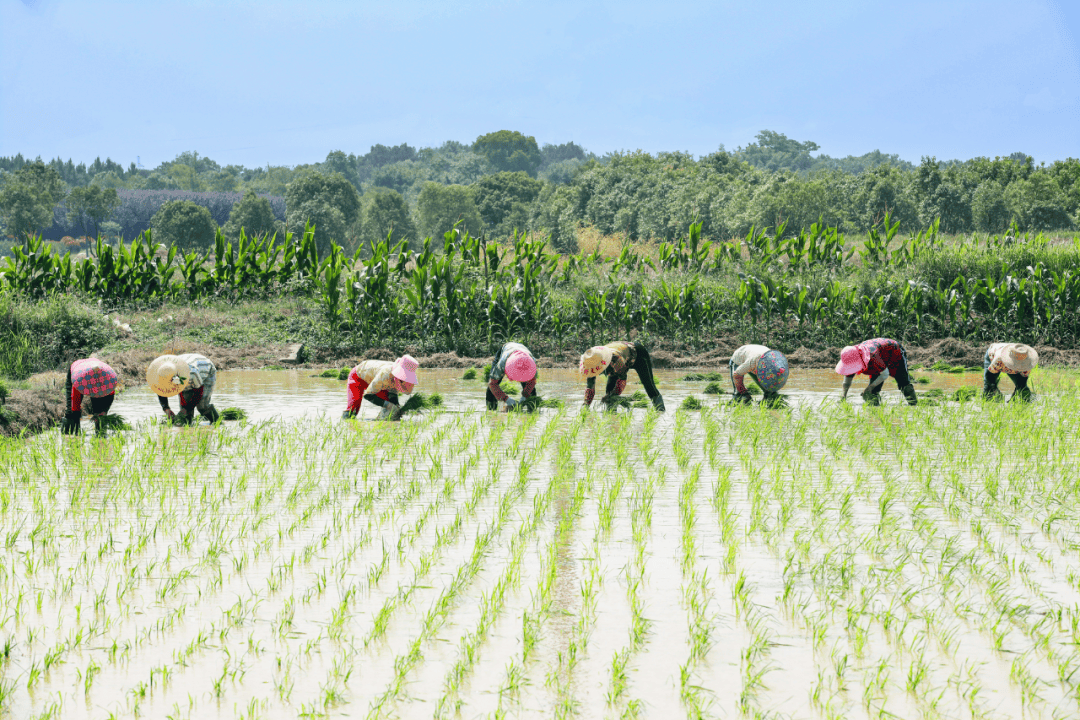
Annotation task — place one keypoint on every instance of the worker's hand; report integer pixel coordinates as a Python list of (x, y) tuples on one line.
[(169, 413), (70, 424), (511, 404)]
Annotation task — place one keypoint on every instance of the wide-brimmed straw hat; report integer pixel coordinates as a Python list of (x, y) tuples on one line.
[(851, 362), (404, 369), (771, 370), (167, 375), (595, 360), (520, 367), (1018, 357)]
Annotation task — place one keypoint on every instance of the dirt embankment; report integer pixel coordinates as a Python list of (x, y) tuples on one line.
[(42, 406)]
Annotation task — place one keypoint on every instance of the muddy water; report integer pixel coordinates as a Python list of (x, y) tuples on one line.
[(294, 394)]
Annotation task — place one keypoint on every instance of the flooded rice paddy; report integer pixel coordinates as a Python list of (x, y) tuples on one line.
[(830, 560)]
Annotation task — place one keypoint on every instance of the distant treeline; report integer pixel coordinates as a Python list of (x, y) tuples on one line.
[(505, 180)]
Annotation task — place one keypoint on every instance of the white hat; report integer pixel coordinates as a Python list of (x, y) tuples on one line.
[(167, 375), (1018, 357), (595, 360)]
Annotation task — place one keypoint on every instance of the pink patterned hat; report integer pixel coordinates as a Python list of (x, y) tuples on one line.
[(93, 378), (851, 362), (404, 369), (520, 367)]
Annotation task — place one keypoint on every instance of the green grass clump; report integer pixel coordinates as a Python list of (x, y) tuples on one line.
[(469, 374), (713, 388), (486, 372), (329, 373), (509, 388), (3, 392), (923, 380), (974, 368), (691, 403), (343, 373), (233, 413)]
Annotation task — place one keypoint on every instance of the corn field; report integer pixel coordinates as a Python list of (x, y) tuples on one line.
[(471, 295)]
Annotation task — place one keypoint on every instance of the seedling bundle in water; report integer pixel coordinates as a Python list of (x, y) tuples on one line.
[(421, 401)]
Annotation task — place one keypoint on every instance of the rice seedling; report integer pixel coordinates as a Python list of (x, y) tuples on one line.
[(691, 403), (233, 413), (469, 374)]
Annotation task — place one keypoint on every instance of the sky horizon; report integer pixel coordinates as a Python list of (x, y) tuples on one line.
[(282, 83)]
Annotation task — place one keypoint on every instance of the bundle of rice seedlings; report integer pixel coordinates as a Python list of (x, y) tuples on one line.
[(638, 400), (509, 388), (535, 402), (115, 423), (233, 413), (691, 403), (328, 374), (775, 402), (963, 394), (343, 373), (418, 402), (701, 377), (713, 388), (469, 374)]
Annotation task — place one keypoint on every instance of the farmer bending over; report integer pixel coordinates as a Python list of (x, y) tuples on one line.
[(1015, 359), (94, 379), (517, 364), (768, 368), (379, 382), (192, 377), (614, 360), (879, 358)]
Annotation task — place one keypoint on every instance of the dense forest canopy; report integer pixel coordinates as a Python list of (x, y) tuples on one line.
[(505, 181)]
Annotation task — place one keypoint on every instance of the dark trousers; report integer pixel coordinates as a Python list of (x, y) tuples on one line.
[(901, 375), (643, 365), (990, 379)]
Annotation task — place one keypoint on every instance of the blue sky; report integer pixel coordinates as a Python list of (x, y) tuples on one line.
[(287, 82)]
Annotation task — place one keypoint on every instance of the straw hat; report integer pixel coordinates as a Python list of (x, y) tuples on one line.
[(771, 370), (595, 360), (1018, 357), (167, 375), (520, 367), (851, 362), (404, 369)]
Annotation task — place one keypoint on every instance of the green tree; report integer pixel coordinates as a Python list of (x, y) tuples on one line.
[(776, 151), (313, 196), (510, 151), (505, 200), (91, 204), (184, 224), (339, 162), (1037, 203), (254, 215), (989, 211), (29, 197), (385, 213), (439, 207)]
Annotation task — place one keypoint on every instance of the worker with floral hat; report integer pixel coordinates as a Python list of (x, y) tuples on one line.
[(1017, 361), (879, 358), (615, 360), (90, 378), (191, 376), (768, 369), (516, 363), (380, 382)]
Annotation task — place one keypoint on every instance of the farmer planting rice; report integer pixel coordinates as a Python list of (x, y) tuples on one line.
[(192, 377), (94, 379), (1017, 361), (768, 368), (516, 363), (615, 360), (880, 358), (380, 382)]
